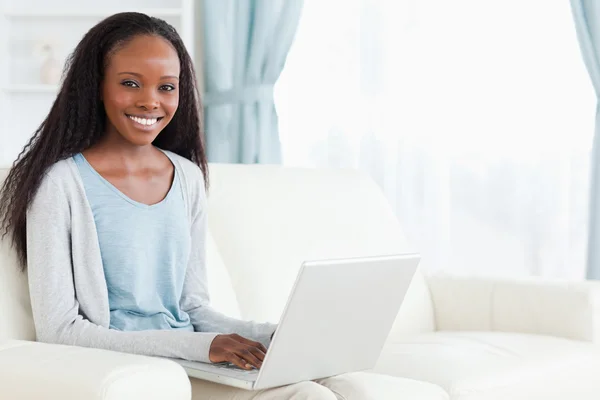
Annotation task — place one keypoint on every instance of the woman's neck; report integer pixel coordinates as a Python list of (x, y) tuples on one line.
[(113, 150)]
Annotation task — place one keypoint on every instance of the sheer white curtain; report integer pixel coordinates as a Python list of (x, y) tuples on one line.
[(475, 117)]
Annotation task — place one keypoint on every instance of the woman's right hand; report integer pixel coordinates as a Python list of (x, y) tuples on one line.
[(237, 350)]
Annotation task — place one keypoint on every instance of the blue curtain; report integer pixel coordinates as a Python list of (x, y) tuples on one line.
[(246, 43), (587, 24)]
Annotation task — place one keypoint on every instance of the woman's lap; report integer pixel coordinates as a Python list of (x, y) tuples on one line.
[(353, 386), (204, 390)]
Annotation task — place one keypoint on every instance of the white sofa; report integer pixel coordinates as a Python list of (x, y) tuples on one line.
[(454, 338)]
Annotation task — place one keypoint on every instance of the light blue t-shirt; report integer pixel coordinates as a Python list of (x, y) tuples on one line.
[(145, 251)]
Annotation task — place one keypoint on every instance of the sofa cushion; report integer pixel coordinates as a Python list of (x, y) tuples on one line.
[(494, 365), (534, 305), (15, 307), (222, 295)]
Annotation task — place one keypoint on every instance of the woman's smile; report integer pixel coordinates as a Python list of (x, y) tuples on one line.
[(144, 123)]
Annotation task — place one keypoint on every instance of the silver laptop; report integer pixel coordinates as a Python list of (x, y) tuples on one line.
[(336, 320)]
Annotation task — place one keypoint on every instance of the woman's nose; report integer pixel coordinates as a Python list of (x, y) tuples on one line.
[(148, 100)]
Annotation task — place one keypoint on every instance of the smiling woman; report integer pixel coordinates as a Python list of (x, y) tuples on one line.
[(106, 205)]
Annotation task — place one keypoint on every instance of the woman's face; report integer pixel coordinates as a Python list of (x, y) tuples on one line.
[(140, 90)]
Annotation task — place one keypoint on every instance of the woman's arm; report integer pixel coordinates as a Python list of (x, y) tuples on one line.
[(195, 297), (54, 299)]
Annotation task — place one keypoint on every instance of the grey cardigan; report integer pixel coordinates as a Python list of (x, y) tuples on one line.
[(68, 291)]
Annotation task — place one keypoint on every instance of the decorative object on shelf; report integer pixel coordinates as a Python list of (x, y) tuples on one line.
[(51, 67)]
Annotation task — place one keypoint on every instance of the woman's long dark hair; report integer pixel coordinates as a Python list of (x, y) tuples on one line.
[(77, 118)]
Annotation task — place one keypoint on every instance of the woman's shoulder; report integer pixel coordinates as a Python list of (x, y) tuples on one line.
[(61, 172), (57, 184)]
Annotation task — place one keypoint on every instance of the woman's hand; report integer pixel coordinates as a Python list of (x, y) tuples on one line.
[(237, 350)]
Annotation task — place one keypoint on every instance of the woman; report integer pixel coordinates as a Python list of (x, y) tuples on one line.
[(106, 207)]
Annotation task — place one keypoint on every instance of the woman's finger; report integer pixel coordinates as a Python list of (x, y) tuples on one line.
[(251, 343), (234, 359), (246, 354), (258, 353)]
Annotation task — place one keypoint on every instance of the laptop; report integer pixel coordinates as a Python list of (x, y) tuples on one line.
[(336, 320)]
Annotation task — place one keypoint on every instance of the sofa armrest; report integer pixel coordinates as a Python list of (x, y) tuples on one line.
[(555, 308), (31, 370)]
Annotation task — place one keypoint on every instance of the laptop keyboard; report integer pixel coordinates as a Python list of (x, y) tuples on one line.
[(233, 367)]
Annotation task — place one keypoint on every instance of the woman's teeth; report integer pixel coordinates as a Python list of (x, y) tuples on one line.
[(144, 121)]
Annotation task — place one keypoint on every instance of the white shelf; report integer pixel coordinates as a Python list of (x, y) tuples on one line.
[(57, 13), (30, 88)]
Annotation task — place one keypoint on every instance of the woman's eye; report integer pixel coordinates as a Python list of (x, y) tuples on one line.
[(167, 88), (129, 84)]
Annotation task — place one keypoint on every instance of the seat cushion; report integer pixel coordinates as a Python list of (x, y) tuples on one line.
[(495, 365)]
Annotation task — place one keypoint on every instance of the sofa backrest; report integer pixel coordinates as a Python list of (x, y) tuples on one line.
[(266, 220), (15, 307)]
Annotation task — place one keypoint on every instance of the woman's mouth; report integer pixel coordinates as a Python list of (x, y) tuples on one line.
[(145, 122)]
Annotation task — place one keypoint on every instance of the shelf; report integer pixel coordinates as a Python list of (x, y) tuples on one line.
[(154, 12), (30, 88)]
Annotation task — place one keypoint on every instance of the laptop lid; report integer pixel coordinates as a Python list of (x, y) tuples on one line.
[(337, 318)]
